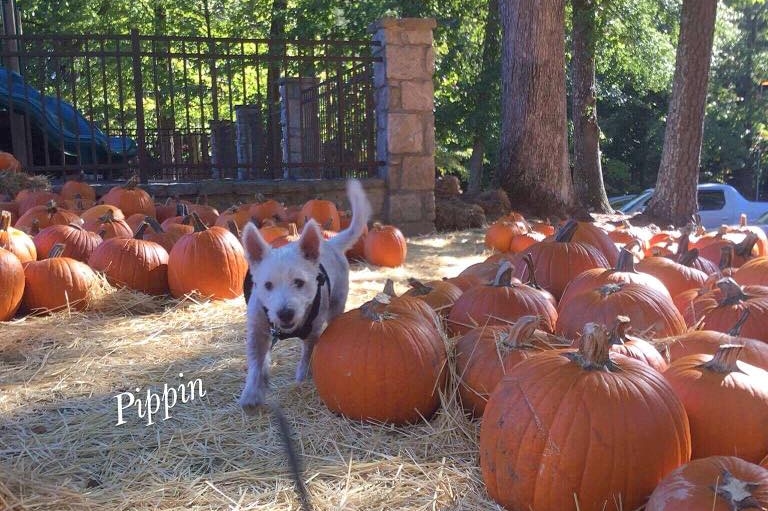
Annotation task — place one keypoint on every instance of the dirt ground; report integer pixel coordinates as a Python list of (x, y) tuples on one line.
[(61, 447)]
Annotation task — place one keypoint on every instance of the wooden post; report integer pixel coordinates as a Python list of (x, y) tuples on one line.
[(17, 120)]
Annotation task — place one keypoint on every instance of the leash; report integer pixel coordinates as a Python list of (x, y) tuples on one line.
[(293, 458), (306, 327)]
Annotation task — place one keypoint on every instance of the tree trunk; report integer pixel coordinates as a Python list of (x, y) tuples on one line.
[(587, 171), (483, 88), (533, 159), (674, 200)]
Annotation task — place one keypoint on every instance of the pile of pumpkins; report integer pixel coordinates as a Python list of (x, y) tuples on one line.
[(52, 244), (612, 366)]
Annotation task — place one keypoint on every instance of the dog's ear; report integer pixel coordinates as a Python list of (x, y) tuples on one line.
[(256, 249), (309, 244)]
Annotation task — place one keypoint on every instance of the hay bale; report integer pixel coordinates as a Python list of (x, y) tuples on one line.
[(13, 182), (455, 215), (447, 187), (495, 203)]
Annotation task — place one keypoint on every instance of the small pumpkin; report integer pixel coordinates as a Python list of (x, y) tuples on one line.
[(77, 188), (238, 214), (130, 198), (108, 226), (209, 261), (133, 263), (323, 211), (57, 282), (385, 245), (9, 163), (439, 294), (12, 284), (50, 214), (16, 241), (166, 238), (92, 215)]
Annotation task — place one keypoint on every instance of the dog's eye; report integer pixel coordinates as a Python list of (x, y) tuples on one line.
[(268, 286), (298, 283)]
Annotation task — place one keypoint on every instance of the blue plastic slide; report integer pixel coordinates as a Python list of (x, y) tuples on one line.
[(62, 123)]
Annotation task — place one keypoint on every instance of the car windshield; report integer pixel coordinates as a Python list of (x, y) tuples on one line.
[(640, 200)]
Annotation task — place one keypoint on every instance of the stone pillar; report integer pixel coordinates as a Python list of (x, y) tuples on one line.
[(223, 150), (405, 138), (250, 137), (299, 121)]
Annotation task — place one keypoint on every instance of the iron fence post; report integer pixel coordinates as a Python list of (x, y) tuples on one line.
[(138, 90)]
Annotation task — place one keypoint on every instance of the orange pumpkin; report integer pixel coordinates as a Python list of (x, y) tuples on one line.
[(438, 294), (267, 210), (716, 483), (238, 214), (11, 283), (323, 211), (133, 263), (78, 243), (753, 272), (16, 241), (50, 214), (57, 282), (77, 188), (499, 235), (166, 238), (392, 370), (208, 214), (92, 216), (209, 261), (385, 245), (35, 198), (675, 276), (109, 227), (720, 310), (726, 401), (9, 163), (545, 426), (130, 199)]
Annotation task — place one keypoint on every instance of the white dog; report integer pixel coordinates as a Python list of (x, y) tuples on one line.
[(297, 290)]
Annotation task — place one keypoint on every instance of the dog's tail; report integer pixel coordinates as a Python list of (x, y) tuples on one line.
[(361, 212)]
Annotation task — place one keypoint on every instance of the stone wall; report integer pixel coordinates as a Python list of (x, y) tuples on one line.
[(223, 194), (406, 120)]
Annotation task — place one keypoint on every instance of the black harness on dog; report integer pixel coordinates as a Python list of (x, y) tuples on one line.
[(306, 327)]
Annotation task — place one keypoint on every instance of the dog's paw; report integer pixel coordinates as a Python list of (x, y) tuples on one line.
[(252, 401)]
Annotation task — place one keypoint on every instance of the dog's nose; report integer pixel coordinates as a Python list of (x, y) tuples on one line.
[(285, 315)]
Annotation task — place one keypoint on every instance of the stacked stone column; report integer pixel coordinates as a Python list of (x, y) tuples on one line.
[(406, 121)]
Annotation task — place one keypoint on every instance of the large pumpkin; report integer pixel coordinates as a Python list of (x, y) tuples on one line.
[(209, 261), (716, 483), (485, 354), (11, 284), (675, 276), (93, 214), (721, 310), (57, 282), (500, 303), (384, 362), (558, 261), (78, 243), (726, 401), (109, 226), (133, 263), (591, 234), (568, 430), (130, 199), (438, 294), (648, 308), (754, 272), (385, 246), (16, 241), (49, 214)]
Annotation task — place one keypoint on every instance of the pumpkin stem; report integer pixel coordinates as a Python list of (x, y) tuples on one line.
[(688, 257), (419, 288), (56, 250), (107, 217), (737, 493), (634, 243), (514, 336), (35, 228), (683, 244), (743, 220), (735, 330), (732, 292), (139, 234), (154, 224), (5, 220), (725, 359), (504, 275), (726, 257), (389, 288), (181, 209), (198, 223), (626, 261), (328, 224), (744, 249), (76, 226), (232, 226), (593, 355), (132, 183), (531, 268), (619, 330), (566, 232), (52, 207), (293, 230), (371, 309)]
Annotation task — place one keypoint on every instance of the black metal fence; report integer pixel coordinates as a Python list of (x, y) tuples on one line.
[(188, 108)]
